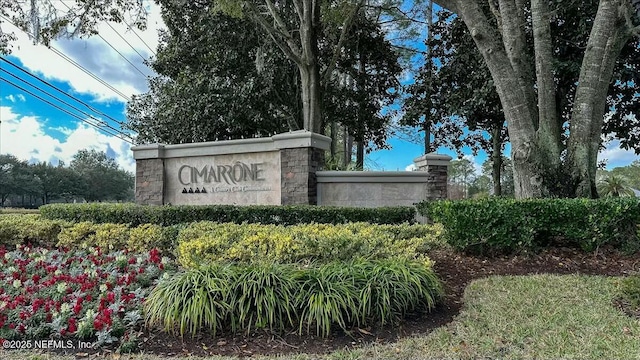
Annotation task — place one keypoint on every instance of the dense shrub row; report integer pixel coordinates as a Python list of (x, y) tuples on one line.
[(29, 229), (285, 296), (172, 215), (118, 236), (210, 241), (206, 242), (503, 225)]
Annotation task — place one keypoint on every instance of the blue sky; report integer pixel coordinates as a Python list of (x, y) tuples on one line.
[(35, 131)]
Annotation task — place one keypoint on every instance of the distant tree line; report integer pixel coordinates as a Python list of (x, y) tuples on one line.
[(91, 176)]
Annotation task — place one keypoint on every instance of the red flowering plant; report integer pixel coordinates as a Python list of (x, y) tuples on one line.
[(86, 293)]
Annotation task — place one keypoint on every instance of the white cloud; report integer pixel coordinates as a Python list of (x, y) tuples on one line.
[(476, 165), (21, 97), (616, 156), (25, 138), (411, 167), (96, 56), (10, 98)]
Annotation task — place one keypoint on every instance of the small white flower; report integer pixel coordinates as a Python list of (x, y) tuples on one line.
[(103, 288), (7, 256), (62, 287), (164, 260), (165, 276), (17, 283), (58, 272), (89, 315), (65, 308)]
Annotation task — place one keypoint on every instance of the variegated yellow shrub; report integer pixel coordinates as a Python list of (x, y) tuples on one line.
[(205, 242)]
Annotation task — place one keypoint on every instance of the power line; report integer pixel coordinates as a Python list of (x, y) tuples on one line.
[(116, 50), (101, 124), (64, 110), (61, 91), (125, 40), (86, 71), (73, 62), (122, 56), (138, 36)]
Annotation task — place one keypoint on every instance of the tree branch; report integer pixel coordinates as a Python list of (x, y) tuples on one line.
[(343, 36), (451, 5), (277, 19), (296, 5), (287, 47)]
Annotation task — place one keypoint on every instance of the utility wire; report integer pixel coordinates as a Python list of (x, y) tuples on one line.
[(138, 36), (73, 62), (125, 40), (100, 122), (122, 56), (66, 111), (88, 72), (116, 50), (121, 123)]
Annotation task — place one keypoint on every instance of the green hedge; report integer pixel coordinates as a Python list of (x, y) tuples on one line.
[(119, 236), (29, 229), (499, 225), (171, 215), (313, 299), (207, 242)]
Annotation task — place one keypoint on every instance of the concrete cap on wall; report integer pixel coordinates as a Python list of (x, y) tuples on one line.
[(301, 139), (148, 151), (432, 159), (293, 139)]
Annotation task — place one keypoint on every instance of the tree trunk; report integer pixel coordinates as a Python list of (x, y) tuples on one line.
[(426, 126), (496, 157), (608, 36), (534, 128), (360, 156), (334, 139), (309, 68), (513, 88), (311, 107)]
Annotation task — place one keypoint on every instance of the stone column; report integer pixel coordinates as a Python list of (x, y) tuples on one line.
[(149, 174), (301, 156), (436, 166)]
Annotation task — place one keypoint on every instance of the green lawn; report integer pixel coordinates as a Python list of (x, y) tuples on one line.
[(513, 317)]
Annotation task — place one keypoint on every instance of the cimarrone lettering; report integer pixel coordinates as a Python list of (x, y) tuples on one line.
[(233, 174)]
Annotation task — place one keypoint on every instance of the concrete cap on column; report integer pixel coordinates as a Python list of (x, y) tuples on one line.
[(149, 151), (301, 139), (432, 159)]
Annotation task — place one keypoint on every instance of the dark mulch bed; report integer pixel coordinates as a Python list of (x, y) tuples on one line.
[(455, 269)]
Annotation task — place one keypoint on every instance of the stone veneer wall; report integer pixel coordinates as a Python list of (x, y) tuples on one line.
[(436, 166), (385, 188), (298, 174), (299, 153), (150, 181), (437, 182)]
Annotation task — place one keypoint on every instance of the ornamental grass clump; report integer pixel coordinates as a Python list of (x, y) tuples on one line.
[(315, 298)]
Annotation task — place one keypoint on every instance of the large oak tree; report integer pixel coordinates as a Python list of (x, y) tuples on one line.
[(526, 85)]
